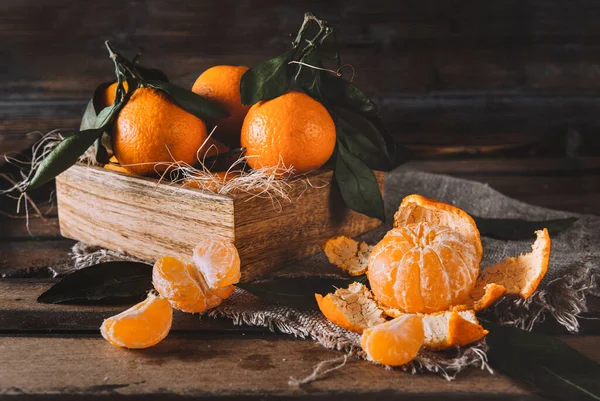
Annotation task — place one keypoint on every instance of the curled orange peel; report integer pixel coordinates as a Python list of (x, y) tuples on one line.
[(353, 308)]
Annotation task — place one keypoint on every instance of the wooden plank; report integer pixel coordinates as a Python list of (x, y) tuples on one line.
[(35, 228), (33, 258), (203, 366), (19, 311)]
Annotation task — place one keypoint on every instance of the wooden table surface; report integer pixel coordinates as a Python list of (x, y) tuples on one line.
[(56, 351)]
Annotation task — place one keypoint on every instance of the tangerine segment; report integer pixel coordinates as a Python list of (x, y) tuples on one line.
[(140, 326), (416, 209), (219, 262), (423, 268), (353, 309), (394, 343), (349, 255), (451, 329), (183, 285), (521, 275)]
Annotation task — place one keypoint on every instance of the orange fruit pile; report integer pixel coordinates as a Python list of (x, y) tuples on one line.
[(425, 274), (189, 287)]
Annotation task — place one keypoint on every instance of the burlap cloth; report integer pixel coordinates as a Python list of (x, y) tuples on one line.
[(571, 279)]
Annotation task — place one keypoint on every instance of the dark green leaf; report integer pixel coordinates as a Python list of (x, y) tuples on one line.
[(63, 156), (100, 151), (151, 74), (88, 120), (309, 79), (296, 292), (516, 229), (368, 129), (345, 94), (361, 147), (266, 81), (190, 101), (357, 184), (546, 363), (104, 283)]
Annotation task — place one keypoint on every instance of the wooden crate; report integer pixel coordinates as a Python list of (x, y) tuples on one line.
[(150, 220)]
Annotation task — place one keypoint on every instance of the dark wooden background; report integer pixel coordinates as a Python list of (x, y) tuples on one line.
[(512, 87)]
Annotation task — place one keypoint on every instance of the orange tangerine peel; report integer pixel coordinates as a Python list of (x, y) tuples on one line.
[(348, 254), (394, 343), (353, 308), (521, 275), (417, 209), (141, 326), (448, 329)]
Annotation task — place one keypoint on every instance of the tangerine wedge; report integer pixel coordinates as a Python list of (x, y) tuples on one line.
[(394, 343), (141, 326)]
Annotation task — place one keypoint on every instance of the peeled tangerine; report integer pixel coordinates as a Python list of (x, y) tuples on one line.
[(141, 326), (201, 285), (425, 270)]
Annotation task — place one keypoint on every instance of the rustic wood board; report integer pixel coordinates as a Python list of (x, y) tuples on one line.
[(19, 311), (224, 365)]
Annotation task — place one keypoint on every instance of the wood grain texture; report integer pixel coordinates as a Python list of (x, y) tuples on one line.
[(452, 73), (121, 211), (151, 220), (19, 311), (315, 213), (224, 366)]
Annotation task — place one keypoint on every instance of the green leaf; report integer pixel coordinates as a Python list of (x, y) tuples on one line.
[(345, 94), (88, 120), (517, 229), (357, 184), (296, 292), (347, 99), (368, 129), (104, 283), (63, 156), (193, 103), (309, 79), (546, 363), (151, 74), (266, 81), (361, 147), (101, 154)]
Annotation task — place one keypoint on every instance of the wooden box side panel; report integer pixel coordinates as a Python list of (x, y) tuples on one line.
[(118, 211), (267, 238)]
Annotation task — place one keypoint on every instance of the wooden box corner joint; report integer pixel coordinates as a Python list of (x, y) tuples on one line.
[(150, 220)]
